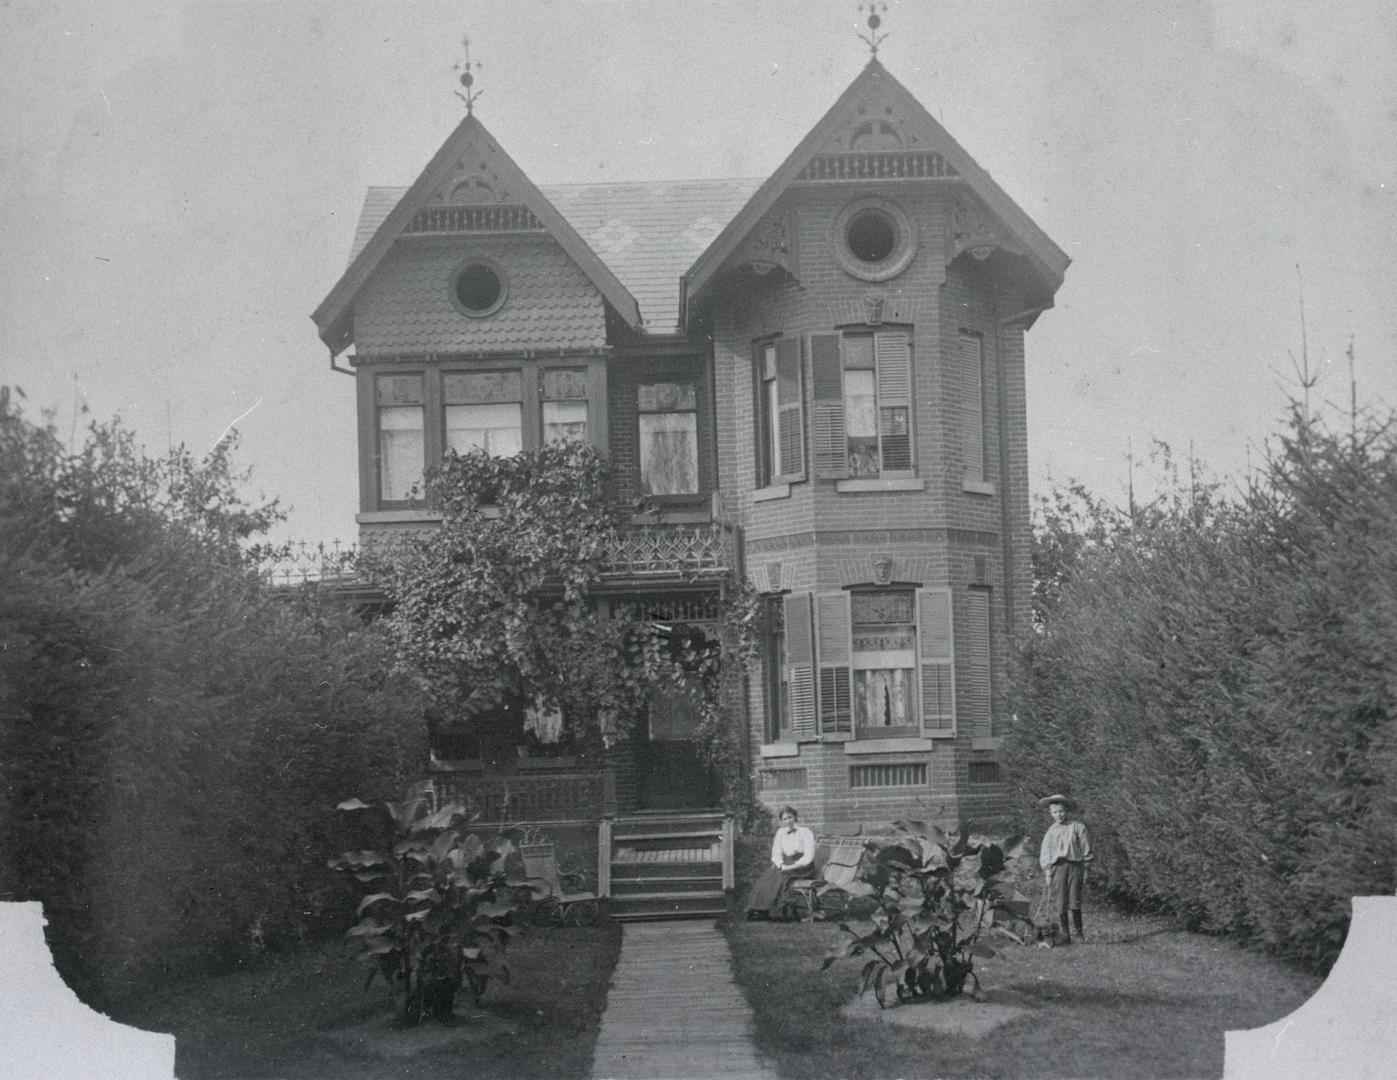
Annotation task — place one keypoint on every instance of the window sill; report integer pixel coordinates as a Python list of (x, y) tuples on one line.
[(909, 483), (977, 487), (889, 746), (774, 491), (780, 749), (985, 742), (396, 517), (673, 517)]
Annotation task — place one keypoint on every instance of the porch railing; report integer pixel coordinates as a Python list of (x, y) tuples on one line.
[(550, 796), (642, 551), (657, 550)]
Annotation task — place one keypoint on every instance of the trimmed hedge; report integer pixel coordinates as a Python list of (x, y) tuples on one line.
[(173, 734), (1215, 679)]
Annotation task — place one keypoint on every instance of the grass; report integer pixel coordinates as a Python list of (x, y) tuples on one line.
[(1142, 998), (309, 1016)]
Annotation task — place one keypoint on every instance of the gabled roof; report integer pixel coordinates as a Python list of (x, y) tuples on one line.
[(1046, 258), (646, 232), (334, 316)]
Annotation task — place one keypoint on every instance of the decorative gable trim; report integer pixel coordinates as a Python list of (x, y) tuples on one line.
[(470, 172), (893, 131)]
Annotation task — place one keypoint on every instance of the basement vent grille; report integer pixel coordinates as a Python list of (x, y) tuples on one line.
[(904, 165), (784, 780), (459, 219), (878, 776)]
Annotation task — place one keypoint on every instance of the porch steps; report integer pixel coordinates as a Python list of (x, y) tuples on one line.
[(668, 865)]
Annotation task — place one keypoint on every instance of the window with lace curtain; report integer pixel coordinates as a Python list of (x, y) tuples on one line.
[(668, 433)]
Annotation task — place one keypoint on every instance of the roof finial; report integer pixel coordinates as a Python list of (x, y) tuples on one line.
[(873, 38), (467, 79)]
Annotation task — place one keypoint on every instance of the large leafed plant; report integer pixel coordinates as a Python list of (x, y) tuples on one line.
[(435, 914), (932, 908)]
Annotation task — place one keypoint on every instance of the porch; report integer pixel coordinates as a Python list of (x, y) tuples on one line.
[(647, 864)]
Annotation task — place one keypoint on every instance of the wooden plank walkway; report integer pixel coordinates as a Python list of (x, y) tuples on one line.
[(674, 1011)]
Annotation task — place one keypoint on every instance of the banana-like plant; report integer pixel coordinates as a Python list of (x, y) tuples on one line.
[(930, 912), (436, 908)]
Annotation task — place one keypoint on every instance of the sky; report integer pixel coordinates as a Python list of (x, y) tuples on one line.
[(179, 183)]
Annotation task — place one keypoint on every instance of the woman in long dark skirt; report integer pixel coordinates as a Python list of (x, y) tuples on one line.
[(792, 855)]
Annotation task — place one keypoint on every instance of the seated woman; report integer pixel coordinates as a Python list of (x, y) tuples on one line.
[(792, 855)]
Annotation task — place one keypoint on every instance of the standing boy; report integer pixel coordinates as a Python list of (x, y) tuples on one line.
[(1064, 857)]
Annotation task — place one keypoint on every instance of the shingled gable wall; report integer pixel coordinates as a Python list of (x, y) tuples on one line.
[(825, 540)]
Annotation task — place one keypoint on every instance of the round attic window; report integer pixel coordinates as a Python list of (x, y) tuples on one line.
[(478, 288), (874, 240), (871, 235)]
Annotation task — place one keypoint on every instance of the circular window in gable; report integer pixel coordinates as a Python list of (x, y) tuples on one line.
[(874, 240), (478, 288)]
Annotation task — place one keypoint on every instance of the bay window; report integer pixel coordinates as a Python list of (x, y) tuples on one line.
[(399, 420), (484, 411), (862, 401), (780, 426), (880, 664)]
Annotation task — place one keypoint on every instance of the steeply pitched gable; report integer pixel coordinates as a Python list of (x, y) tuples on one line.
[(877, 113), (470, 170)]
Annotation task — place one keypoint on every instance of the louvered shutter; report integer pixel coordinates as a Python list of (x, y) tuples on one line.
[(972, 406), (790, 413), (893, 353), (764, 468), (975, 650), (835, 652), (827, 420), (936, 652), (800, 661)]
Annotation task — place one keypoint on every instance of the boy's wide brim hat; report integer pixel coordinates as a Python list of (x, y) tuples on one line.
[(1049, 800)]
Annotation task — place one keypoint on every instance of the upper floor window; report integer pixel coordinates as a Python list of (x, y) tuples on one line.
[(420, 417), (862, 404), (564, 393), (668, 430), (780, 413), (484, 411), (971, 372), (400, 433)]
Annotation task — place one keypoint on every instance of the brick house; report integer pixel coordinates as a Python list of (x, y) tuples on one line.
[(818, 380)]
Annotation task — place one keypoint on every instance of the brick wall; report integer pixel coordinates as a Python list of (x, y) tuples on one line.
[(820, 539)]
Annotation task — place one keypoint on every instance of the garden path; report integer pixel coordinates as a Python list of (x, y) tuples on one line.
[(674, 1011)]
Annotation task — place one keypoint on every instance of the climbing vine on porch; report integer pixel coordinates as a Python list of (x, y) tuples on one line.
[(496, 611)]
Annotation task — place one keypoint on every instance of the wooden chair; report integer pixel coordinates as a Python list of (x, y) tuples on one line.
[(837, 860), (563, 899)]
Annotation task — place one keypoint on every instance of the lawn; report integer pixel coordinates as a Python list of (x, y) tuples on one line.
[(309, 1016), (1141, 998)]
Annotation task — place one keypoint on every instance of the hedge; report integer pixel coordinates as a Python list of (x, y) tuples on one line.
[(1213, 678), (174, 735)]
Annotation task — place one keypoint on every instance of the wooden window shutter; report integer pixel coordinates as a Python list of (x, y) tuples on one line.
[(936, 647), (971, 405), (800, 659), (976, 652), (832, 624), (893, 353), (827, 421), (759, 421), (790, 412)]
